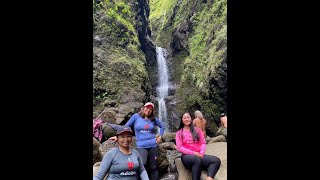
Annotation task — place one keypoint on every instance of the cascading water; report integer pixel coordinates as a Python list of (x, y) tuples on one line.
[(162, 92), (163, 87)]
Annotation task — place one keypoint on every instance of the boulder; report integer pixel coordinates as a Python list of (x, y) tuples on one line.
[(169, 137), (222, 131), (218, 149), (108, 131), (96, 151), (96, 168), (162, 160), (220, 138)]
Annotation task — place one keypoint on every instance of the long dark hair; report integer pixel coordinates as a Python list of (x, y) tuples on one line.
[(194, 133), (152, 116)]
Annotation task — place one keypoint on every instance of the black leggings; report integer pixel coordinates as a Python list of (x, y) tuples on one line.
[(196, 164), (151, 155)]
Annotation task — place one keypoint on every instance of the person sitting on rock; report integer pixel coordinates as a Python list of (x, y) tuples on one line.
[(200, 122), (122, 162), (191, 143), (221, 133), (222, 130)]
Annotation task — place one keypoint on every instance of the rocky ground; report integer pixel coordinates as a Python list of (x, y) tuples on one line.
[(169, 162)]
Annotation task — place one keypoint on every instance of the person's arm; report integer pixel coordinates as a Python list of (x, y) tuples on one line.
[(143, 172), (194, 122), (221, 122), (179, 146), (202, 142), (104, 166), (204, 128), (144, 175), (129, 123), (161, 126), (224, 121), (132, 120), (114, 127)]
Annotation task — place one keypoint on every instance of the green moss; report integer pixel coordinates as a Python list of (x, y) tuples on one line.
[(193, 98), (160, 17), (207, 47), (118, 61), (118, 19), (123, 61), (178, 65), (209, 30), (119, 72), (158, 8)]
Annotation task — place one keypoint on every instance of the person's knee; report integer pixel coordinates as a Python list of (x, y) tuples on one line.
[(197, 160), (144, 156), (153, 162), (154, 168), (144, 161), (153, 158), (217, 160)]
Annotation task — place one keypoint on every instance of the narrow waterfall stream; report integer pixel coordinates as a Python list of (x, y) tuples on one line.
[(162, 92), (163, 86)]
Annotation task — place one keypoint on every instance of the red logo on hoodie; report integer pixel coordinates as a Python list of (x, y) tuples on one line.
[(130, 165)]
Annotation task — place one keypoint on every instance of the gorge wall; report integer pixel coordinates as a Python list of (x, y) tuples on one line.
[(125, 34)]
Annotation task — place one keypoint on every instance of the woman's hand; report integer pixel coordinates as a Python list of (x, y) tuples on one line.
[(175, 147), (113, 138), (158, 140), (198, 154)]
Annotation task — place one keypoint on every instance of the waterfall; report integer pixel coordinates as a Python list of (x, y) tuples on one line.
[(163, 86)]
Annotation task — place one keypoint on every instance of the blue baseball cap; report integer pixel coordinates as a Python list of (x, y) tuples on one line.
[(122, 129)]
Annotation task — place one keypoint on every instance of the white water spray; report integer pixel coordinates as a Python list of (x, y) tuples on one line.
[(163, 87)]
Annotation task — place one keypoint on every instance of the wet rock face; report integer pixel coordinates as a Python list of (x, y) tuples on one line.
[(146, 44), (152, 65), (142, 17), (121, 53), (180, 37), (144, 33), (218, 86)]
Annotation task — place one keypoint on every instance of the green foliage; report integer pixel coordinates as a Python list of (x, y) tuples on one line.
[(121, 16), (118, 61), (159, 8), (209, 30), (121, 72), (194, 98), (115, 18), (178, 65), (206, 45), (160, 13)]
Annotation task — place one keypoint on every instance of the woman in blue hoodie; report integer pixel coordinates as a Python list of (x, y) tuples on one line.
[(144, 123)]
